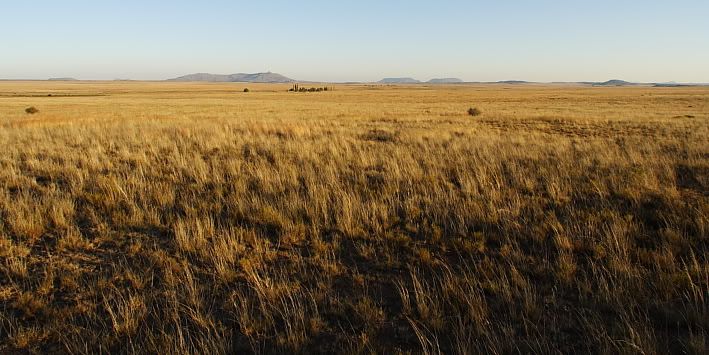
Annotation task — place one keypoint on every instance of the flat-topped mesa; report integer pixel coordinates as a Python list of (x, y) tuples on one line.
[(399, 81), (267, 77)]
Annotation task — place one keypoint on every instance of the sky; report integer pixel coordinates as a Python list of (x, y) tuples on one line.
[(362, 40)]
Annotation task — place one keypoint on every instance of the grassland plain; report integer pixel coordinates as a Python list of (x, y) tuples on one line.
[(197, 218)]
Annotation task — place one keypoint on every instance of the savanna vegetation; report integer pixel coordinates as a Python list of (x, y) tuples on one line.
[(298, 88), (190, 218)]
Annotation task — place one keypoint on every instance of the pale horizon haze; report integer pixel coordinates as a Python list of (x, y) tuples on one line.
[(338, 41)]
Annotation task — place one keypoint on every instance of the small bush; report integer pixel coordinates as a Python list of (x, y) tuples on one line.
[(246, 90), (474, 111), (31, 110)]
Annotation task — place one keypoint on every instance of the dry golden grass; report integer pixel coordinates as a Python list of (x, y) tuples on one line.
[(196, 218)]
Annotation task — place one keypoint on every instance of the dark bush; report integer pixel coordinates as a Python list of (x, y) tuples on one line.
[(298, 88), (246, 90), (31, 110), (474, 111)]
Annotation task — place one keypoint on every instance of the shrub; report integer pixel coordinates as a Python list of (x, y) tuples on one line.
[(246, 90), (31, 110), (298, 88), (474, 111)]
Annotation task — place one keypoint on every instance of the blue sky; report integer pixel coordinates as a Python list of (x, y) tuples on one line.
[(358, 40)]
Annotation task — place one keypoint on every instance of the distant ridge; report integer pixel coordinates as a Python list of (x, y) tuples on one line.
[(514, 82), (445, 81), (267, 77), (673, 84), (399, 81), (614, 82)]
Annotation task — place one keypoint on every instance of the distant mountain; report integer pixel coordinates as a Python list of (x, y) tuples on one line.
[(614, 82), (236, 78), (202, 77), (673, 84), (445, 81), (513, 82), (398, 81), (261, 78), (62, 79)]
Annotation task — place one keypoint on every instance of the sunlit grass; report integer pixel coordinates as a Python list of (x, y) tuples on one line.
[(196, 218)]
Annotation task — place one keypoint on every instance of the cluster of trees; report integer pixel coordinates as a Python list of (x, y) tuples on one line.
[(298, 88)]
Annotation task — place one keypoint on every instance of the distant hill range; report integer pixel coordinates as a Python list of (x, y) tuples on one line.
[(609, 83), (615, 82), (445, 81), (399, 81), (236, 78), (269, 77), (673, 84), (513, 82), (415, 81)]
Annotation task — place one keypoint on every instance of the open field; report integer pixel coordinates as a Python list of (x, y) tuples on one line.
[(196, 218)]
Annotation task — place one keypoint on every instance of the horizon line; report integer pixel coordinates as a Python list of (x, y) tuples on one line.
[(417, 81)]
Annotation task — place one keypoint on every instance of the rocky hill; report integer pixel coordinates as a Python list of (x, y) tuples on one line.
[(267, 77)]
